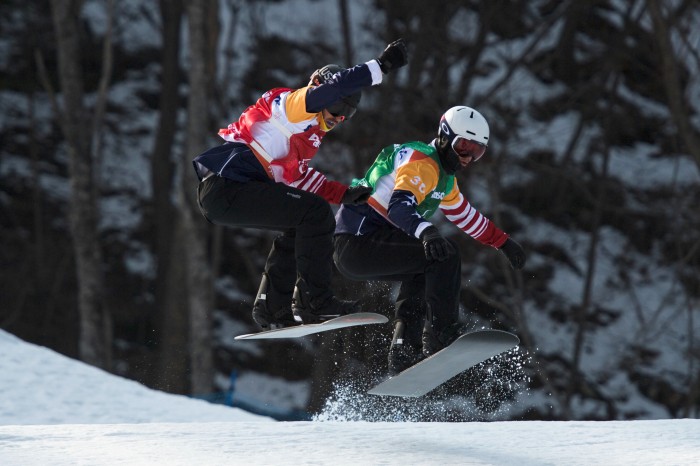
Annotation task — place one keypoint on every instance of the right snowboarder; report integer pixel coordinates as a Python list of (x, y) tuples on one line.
[(391, 238)]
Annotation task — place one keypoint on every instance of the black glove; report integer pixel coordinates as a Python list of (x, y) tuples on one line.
[(436, 247), (356, 195), (514, 252), (393, 57)]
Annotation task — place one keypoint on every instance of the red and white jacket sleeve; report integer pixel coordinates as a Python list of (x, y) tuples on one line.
[(460, 212), (316, 182)]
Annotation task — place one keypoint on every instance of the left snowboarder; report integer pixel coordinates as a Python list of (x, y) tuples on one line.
[(260, 178)]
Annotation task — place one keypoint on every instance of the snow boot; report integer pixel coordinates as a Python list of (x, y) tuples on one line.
[(272, 309), (435, 341), (402, 354), (308, 310)]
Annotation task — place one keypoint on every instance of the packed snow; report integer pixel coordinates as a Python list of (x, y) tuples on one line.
[(58, 411)]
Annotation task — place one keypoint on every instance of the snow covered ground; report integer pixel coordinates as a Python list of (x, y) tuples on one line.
[(57, 411)]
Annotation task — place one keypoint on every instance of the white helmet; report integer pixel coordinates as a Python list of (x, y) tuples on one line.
[(466, 131)]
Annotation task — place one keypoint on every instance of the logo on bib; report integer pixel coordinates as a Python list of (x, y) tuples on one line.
[(316, 141), (303, 166)]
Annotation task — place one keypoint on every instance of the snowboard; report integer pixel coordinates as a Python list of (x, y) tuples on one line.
[(466, 351), (350, 320)]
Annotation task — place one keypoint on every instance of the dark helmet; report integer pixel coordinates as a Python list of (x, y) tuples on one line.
[(347, 106), (463, 132), (324, 74)]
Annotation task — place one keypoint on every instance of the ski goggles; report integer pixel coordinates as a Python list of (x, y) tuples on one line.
[(342, 109), (468, 148)]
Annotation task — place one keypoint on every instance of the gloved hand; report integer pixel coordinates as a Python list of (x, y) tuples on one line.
[(514, 253), (356, 195), (393, 57), (435, 246)]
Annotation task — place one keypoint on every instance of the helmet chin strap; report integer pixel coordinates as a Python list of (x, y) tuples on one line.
[(448, 157)]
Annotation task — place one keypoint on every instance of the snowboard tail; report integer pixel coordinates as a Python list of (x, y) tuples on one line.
[(465, 352)]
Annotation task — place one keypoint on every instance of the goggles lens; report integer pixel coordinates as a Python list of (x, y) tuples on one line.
[(342, 109), (468, 148)]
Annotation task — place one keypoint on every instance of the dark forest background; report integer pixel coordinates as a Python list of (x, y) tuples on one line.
[(594, 167)]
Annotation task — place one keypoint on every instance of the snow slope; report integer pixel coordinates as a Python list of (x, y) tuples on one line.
[(57, 411), (40, 386)]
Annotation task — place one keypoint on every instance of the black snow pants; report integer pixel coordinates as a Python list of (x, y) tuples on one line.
[(305, 247), (429, 292)]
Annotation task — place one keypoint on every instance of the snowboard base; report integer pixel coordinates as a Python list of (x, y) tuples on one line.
[(466, 351)]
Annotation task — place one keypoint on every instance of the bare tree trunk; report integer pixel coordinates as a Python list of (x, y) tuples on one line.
[(162, 164), (101, 100), (345, 25), (95, 325), (199, 281), (37, 211), (173, 326), (672, 83), (582, 313), (171, 306)]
